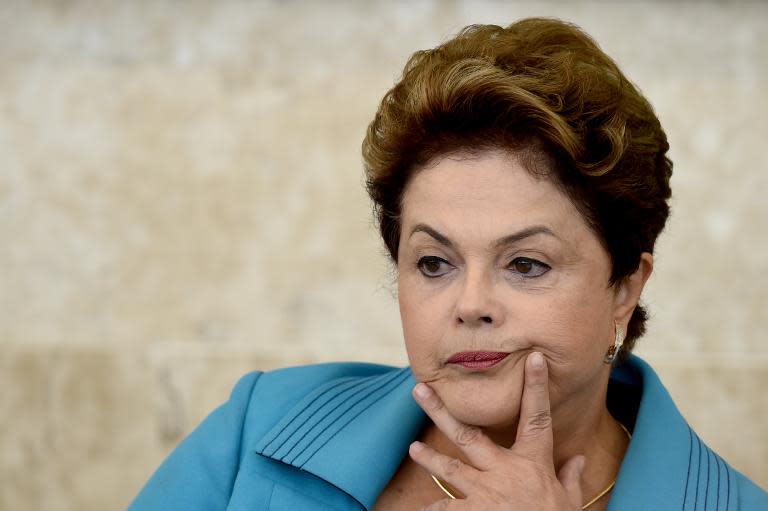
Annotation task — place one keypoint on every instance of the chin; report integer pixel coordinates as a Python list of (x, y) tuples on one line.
[(489, 419), (485, 400), (494, 410)]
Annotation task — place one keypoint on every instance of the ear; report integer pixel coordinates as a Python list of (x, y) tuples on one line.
[(628, 291)]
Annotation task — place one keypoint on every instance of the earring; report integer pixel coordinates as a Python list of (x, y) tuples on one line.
[(613, 351)]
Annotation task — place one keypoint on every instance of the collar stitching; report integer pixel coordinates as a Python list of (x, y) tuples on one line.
[(291, 430), (288, 429), (383, 389)]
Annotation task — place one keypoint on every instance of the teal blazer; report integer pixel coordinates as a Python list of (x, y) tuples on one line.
[(330, 437)]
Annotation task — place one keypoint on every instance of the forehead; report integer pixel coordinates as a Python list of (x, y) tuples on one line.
[(486, 194)]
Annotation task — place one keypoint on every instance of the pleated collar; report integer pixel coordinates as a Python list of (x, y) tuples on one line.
[(353, 432)]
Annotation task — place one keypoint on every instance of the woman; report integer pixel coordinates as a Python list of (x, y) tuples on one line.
[(520, 182)]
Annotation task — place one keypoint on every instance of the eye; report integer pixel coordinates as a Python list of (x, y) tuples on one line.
[(433, 266), (528, 268)]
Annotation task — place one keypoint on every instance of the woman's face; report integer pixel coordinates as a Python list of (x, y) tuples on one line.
[(492, 259)]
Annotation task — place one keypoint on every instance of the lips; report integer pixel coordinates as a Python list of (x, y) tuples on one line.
[(478, 359)]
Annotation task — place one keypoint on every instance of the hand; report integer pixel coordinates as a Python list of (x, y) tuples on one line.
[(520, 478)]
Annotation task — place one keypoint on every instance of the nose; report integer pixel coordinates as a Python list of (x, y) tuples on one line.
[(477, 304)]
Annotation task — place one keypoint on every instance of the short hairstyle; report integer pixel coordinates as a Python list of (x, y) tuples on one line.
[(543, 89)]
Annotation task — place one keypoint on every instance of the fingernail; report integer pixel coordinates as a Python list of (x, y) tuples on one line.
[(416, 448), (537, 360), (422, 391)]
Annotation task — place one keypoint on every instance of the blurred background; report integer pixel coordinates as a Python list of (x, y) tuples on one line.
[(181, 202)]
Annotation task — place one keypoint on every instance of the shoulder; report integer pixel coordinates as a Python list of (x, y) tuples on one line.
[(264, 399), (312, 429), (288, 385), (751, 496), (205, 470), (303, 378), (283, 388), (667, 465)]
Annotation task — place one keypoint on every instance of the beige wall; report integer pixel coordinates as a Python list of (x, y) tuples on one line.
[(181, 201)]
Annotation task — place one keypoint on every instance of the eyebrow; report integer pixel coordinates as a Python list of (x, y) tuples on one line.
[(506, 240)]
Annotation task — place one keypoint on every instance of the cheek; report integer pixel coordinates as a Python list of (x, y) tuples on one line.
[(584, 305), (419, 320), (576, 331), (426, 313)]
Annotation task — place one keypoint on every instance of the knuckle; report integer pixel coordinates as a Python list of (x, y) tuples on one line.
[(467, 435), (452, 467), (436, 404), (440, 505), (540, 420)]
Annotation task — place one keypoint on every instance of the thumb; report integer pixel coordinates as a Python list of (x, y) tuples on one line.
[(570, 477)]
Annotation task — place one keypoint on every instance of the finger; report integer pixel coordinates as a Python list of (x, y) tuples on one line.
[(454, 471), (443, 505), (570, 477), (534, 430), (479, 449)]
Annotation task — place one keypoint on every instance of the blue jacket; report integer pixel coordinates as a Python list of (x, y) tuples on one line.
[(330, 436)]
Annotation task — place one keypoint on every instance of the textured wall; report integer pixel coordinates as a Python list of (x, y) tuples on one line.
[(181, 201)]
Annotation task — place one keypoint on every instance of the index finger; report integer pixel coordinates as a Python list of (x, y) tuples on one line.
[(534, 429), (479, 449)]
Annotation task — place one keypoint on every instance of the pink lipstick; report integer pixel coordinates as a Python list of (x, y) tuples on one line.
[(478, 359)]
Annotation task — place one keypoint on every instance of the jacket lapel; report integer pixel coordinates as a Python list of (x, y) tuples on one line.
[(666, 465), (352, 432)]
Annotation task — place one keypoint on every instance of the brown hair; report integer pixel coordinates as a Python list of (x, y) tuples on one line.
[(541, 88)]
